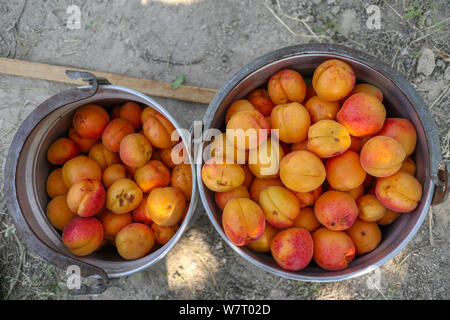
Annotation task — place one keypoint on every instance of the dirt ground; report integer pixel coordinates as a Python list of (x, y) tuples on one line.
[(208, 41)]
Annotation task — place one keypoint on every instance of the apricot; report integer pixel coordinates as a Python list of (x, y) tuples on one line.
[(333, 250), (362, 114), (181, 178), (86, 197), (221, 177), (366, 236), (222, 198), (401, 130), (114, 132), (369, 89), (263, 243), (103, 156), (222, 148), (165, 206), (132, 112), (113, 223), (243, 221), (258, 185), (287, 86), (388, 218), (90, 120), (61, 151), (248, 176), (164, 234), (123, 196), (308, 198), (146, 113), (238, 106), (302, 171), (135, 150), (82, 236), (336, 210), (307, 220), (333, 80), (158, 129), (264, 161), (170, 157), (409, 166), (356, 192), (327, 138), (356, 144), (247, 129), (344, 172), (153, 175), (321, 110), (281, 207), (140, 214), (261, 101), (292, 249), (83, 144), (382, 156), (400, 192), (58, 213), (55, 185), (134, 241), (113, 173), (80, 168), (292, 121), (369, 208)]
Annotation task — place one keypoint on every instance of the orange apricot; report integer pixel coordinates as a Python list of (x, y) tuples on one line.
[(61, 151), (287, 86), (336, 210), (333, 80), (58, 212), (290, 122), (90, 120)]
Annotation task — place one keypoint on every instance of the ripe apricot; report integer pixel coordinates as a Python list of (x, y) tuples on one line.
[(281, 207), (174, 156), (401, 130), (135, 150), (165, 206), (369, 208), (113, 173), (264, 161), (222, 198), (369, 89), (292, 249), (131, 111), (307, 220), (308, 198), (261, 101), (123, 196), (153, 175), (55, 185), (134, 241), (220, 177), (287, 86), (336, 210), (103, 156), (263, 243), (258, 185), (344, 172), (158, 129), (83, 144), (82, 236), (140, 214), (327, 138), (114, 132), (222, 148), (113, 223), (366, 236), (80, 168), (90, 120), (86, 197), (181, 178), (409, 166), (333, 250), (58, 213), (146, 113), (292, 121), (247, 129), (61, 151), (388, 218), (238, 106), (333, 80), (321, 110), (164, 234)]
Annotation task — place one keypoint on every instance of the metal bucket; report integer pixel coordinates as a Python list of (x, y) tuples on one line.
[(27, 169), (400, 99)]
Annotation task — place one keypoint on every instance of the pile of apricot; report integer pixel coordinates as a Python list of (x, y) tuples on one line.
[(115, 182), (321, 186)]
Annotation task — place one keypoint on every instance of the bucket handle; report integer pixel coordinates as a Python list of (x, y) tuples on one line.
[(441, 190)]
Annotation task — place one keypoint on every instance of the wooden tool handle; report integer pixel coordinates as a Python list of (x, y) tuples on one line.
[(150, 87)]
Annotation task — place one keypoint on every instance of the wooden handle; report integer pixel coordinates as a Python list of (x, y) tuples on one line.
[(150, 87)]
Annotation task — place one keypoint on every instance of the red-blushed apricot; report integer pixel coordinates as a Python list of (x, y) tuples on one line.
[(357, 192), (258, 185), (321, 110), (134, 241), (382, 156), (409, 166), (174, 156), (165, 206), (356, 144), (308, 198), (362, 114), (113, 223), (300, 146), (114, 132), (82, 236), (243, 221), (153, 175), (222, 148), (220, 177), (103, 156), (135, 150), (158, 129), (369, 89), (263, 243), (328, 138), (307, 220), (366, 236), (238, 106), (222, 198), (292, 249), (336, 210), (264, 161), (261, 101), (247, 129), (248, 176), (140, 214), (333, 80), (302, 171), (61, 151), (181, 178), (400, 192), (123, 196), (86, 197), (287, 86), (164, 234), (292, 121), (83, 144), (80, 168), (115, 112), (90, 120), (55, 185), (132, 112), (281, 207), (113, 173), (344, 172), (401, 130), (333, 250), (388, 218), (309, 93), (58, 213), (146, 113), (369, 208)]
